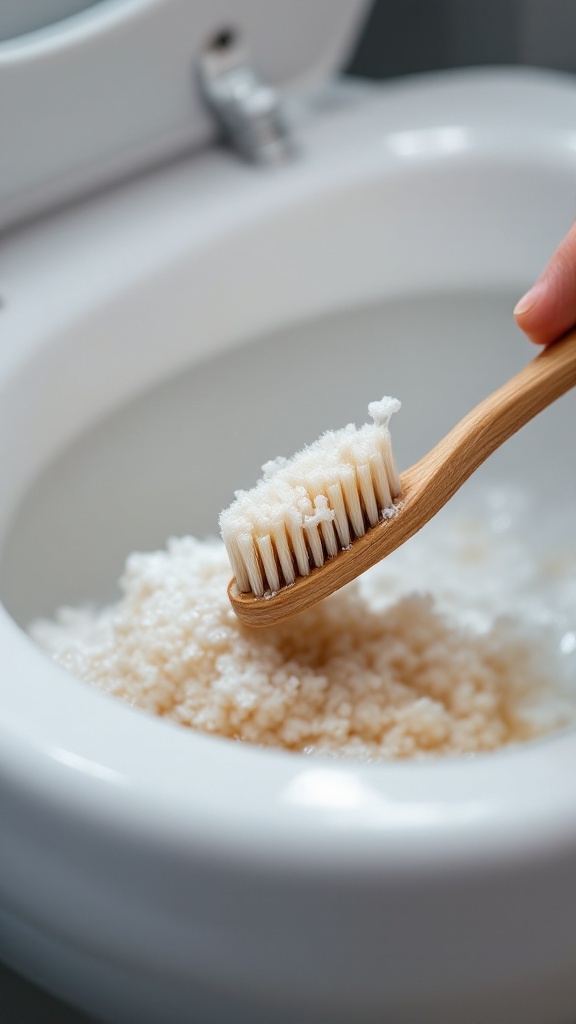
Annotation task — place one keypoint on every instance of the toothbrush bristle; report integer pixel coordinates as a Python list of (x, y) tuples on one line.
[(307, 508)]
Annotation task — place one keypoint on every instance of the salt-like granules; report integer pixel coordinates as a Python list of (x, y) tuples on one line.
[(457, 643)]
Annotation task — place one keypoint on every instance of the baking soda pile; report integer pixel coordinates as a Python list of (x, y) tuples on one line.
[(458, 643)]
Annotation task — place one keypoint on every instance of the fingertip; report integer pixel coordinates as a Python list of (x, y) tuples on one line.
[(537, 331), (527, 315), (548, 309), (544, 313), (535, 337), (528, 301)]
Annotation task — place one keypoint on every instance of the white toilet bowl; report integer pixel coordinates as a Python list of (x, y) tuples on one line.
[(158, 343)]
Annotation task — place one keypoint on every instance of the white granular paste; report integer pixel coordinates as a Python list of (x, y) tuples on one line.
[(462, 641)]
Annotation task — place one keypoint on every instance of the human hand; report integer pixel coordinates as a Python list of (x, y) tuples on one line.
[(548, 310)]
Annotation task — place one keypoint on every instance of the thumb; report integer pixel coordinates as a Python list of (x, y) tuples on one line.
[(548, 310)]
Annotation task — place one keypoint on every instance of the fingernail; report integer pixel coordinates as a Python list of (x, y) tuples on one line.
[(529, 300)]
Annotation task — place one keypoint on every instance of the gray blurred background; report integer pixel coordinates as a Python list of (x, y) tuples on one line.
[(405, 36), (399, 37)]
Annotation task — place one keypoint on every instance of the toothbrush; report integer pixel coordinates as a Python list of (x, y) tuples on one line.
[(317, 521)]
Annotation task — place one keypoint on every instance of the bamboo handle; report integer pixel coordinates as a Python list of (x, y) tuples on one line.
[(428, 485), (499, 416)]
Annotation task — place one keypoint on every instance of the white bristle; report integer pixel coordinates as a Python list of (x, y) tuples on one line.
[(237, 563), (269, 563), (305, 509), (313, 524), (329, 538), (380, 479), (352, 499), (314, 543), (392, 473), (325, 516), (298, 544), (367, 492), (248, 555), (284, 552), (336, 499)]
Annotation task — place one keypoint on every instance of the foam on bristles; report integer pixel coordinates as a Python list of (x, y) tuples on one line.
[(307, 508)]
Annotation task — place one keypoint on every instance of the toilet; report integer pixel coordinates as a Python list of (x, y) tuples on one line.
[(175, 311)]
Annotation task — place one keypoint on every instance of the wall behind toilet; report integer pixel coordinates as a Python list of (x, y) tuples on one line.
[(406, 36)]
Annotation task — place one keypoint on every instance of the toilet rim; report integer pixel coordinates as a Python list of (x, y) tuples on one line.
[(93, 762), (214, 795)]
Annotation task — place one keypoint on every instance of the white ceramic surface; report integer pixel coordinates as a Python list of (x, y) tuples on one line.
[(114, 89), (147, 873)]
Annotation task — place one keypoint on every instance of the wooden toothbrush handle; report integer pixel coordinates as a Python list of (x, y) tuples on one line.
[(429, 484), (498, 417)]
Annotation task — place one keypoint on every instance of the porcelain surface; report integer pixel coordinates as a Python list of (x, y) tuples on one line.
[(146, 870)]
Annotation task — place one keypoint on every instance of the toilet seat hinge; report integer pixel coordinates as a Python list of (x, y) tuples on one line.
[(247, 111)]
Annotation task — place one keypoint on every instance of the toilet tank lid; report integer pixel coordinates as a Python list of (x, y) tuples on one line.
[(113, 89)]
